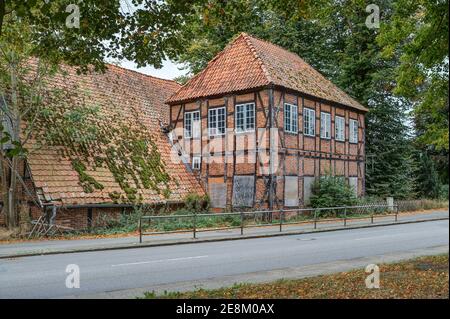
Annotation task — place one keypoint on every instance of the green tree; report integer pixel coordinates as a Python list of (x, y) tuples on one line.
[(146, 32), (36, 36), (428, 183), (418, 33)]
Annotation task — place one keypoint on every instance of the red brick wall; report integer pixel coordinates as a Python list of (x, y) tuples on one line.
[(77, 218)]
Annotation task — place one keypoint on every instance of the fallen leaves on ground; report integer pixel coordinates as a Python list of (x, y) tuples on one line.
[(425, 277)]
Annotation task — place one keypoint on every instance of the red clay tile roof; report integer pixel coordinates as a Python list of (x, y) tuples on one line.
[(248, 63), (134, 94)]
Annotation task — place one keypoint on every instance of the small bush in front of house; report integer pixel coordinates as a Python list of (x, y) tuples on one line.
[(332, 191)]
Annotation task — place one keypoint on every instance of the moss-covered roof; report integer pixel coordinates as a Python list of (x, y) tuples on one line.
[(116, 152)]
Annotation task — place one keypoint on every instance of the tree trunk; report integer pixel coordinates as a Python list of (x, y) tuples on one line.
[(13, 217), (9, 170)]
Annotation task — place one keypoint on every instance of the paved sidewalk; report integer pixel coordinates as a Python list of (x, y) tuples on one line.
[(9, 250)]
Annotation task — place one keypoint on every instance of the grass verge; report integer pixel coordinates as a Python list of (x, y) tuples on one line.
[(424, 277)]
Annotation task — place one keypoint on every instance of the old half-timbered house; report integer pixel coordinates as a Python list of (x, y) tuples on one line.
[(254, 129), (258, 125)]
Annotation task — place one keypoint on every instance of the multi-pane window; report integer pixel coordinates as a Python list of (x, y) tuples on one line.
[(325, 125), (245, 117), (353, 131), (309, 121), (339, 123), (192, 124), (216, 121), (290, 118), (196, 162)]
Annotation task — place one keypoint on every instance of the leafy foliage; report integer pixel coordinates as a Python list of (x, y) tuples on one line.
[(142, 31), (418, 35), (197, 203), (332, 191), (65, 118)]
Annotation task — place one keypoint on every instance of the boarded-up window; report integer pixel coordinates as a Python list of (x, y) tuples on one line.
[(290, 191), (243, 191), (218, 195), (353, 182), (307, 189)]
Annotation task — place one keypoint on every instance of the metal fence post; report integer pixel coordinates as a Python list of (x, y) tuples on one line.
[(281, 219), (396, 213), (194, 225), (140, 230), (345, 216), (315, 219), (242, 223), (371, 218)]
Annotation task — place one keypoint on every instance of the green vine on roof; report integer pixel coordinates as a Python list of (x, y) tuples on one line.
[(87, 182), (93, 138)]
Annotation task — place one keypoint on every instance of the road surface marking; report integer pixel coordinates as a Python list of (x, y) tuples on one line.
[(158, 261)]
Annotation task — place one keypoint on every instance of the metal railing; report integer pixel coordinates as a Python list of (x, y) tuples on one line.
[(274, 218)]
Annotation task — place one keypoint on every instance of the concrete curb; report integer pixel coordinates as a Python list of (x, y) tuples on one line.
[(208, 240)]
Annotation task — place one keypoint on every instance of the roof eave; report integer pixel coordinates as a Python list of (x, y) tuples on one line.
[(267, 86)]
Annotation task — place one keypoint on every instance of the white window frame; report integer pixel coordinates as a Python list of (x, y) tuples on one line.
[(309, 122), (353, 128), (339, 128), (325, 125), (248, 125), (192, 133), (216, 126), (290, 118), (196, 163)]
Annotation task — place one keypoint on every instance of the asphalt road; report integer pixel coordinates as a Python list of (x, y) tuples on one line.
[(117, 270)]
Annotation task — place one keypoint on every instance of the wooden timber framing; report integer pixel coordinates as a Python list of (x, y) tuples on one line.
[(298, 155)]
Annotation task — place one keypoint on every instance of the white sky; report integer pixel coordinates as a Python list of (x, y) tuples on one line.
[(168, 71)]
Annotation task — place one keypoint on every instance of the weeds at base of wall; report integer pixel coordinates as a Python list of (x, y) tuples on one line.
[(127, 222)]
